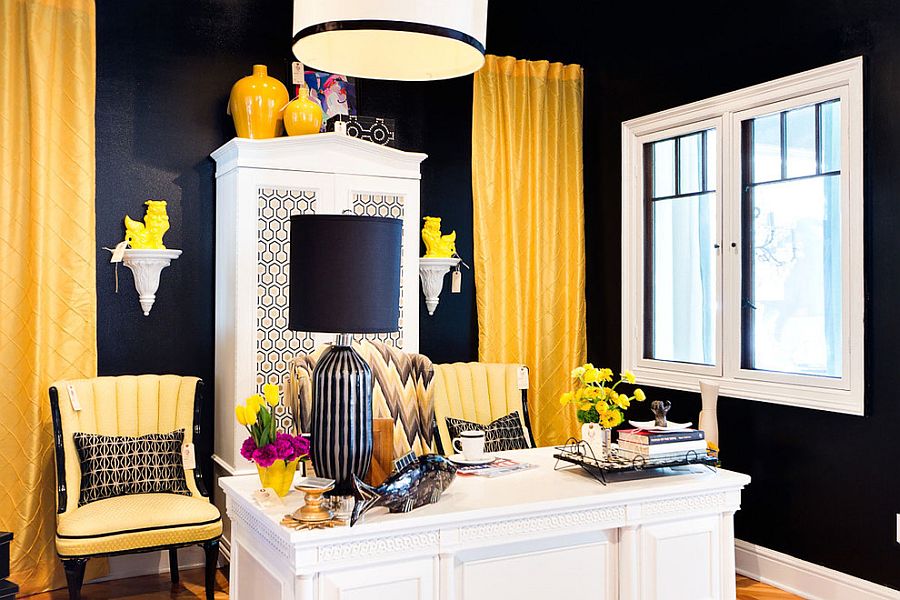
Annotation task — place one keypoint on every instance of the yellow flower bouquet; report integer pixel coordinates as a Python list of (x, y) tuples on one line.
[(597, 401)]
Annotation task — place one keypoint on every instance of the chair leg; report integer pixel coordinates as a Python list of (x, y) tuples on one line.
[(74, 568), (211, 549), (173, 564)]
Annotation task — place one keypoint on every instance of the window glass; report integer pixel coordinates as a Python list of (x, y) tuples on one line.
[(792, 305), (681, 250)]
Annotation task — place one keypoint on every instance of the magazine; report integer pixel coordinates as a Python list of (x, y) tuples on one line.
[(497, 468)]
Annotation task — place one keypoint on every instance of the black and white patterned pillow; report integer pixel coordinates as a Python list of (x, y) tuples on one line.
[(116, 465), (505, 433)]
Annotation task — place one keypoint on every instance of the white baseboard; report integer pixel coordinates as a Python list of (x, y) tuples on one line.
[(804, 578), (151, 563)]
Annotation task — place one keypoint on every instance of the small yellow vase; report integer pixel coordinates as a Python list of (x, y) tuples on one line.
[(279, 476), (302, 116), (257, 104)]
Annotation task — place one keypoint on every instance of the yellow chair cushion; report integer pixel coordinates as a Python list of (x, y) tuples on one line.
[(476, 392), (136, 522)]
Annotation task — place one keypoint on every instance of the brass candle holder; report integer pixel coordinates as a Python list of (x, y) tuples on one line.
[(312, 510)]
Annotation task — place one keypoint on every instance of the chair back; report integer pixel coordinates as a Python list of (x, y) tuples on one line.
[(478, 392), (130, 405), (401, 392)]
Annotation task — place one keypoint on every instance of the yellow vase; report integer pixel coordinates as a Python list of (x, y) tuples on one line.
[(302, 115), (257, 104), (279, 476)]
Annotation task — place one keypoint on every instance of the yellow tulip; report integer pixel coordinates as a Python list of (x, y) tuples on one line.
[(566, 398), (577, 372), (639, 395), (254, 402), (271, 392), (591, 375), (628, 376), (605, 374), (585, 406), (622, 401), (241, 414)]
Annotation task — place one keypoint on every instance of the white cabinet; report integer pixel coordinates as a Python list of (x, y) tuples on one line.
[(408, 580), (259, 185), (541, 534), (680, 559), (576, 566)]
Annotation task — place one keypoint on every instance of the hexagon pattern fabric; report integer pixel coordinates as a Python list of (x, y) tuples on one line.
[(117, 465)]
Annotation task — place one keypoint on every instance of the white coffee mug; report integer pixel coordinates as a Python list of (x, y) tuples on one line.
[(470, 444)]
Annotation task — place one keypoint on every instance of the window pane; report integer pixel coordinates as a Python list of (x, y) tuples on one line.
[(792, 278), (767, 148), (690, 163), (664, 168), (683, 274), (830, 135), (800, 135)]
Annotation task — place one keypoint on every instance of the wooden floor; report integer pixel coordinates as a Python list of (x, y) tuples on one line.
[(748, 589), (158, 587)]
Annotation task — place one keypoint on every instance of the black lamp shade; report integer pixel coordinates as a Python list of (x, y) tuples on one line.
[(344, 274)]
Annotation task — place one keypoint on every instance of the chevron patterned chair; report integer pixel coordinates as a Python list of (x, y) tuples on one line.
[(124, 520), (402, 392)]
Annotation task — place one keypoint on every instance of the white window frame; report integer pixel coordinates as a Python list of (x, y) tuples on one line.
[(845, 394)]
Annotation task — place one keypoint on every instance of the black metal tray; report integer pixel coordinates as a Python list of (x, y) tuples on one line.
[(579, 453)]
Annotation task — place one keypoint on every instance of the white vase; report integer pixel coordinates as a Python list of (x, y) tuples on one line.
[(598, 440), (708, 422)]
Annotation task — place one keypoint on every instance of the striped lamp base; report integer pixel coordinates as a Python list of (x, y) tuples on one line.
[(341, 417)]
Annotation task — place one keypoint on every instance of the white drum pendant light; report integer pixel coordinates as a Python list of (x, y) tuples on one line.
[(406, 40)]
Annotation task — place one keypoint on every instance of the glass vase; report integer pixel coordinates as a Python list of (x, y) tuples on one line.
[(279, 476), (598, 439)]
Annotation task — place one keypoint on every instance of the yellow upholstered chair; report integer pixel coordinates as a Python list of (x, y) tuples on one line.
[(480, 393), (402, 383), (129, 406)]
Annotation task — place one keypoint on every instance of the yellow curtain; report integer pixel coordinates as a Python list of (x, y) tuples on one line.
[(529, 228), (47, 254)]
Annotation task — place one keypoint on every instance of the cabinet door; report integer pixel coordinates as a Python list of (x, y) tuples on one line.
[(582, 565), (397, 198), (407, 580), (681, 559)]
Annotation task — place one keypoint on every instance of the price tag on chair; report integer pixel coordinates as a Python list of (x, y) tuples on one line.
[(523, 378), (73, 398), (188, 457)]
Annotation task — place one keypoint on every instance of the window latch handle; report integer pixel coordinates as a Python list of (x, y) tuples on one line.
[(748, 304)]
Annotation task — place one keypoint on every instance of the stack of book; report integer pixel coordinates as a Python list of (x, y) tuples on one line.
[(650, 445)]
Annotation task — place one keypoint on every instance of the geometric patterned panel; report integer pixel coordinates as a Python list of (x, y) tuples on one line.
[(275, 343), (380, 205)]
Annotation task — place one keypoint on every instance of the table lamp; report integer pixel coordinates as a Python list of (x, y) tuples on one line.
[(344, 279)]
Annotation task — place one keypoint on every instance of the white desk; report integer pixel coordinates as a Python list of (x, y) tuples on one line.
[(540, 534)]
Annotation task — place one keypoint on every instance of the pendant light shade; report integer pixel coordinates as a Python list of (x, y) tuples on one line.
[(406, 40)]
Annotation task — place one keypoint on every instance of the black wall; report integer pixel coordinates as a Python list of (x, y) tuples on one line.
[(824, 485)]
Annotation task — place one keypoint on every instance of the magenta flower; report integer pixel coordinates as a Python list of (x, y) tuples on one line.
[(284, 447), (265, 456), (247, 448), (301, 445)]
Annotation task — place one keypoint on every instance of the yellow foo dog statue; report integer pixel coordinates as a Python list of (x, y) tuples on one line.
[(437, 245), (149, 234)]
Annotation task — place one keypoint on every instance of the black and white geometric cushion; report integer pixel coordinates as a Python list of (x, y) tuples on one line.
[(113, 465), (501, 434)]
